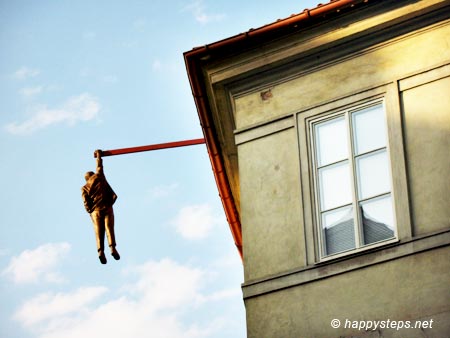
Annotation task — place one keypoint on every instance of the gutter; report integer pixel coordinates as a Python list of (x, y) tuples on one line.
[(215, 157), (193, 60)]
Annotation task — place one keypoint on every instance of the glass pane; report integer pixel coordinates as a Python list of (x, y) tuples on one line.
[(373, 175), (378, 220), (335, 186), (369, 129), (331, 141), (338, 230)]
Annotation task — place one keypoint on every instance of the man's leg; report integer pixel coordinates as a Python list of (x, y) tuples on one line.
[(109, 222), (99, 229)]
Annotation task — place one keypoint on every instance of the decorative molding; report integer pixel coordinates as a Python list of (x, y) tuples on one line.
[(424, 77), (264, 130), (329, 269)]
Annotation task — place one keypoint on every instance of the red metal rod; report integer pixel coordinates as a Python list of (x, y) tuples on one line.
[(152, 147)]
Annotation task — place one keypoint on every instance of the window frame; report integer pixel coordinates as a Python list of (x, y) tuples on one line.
[(352, 158), (396, 156)]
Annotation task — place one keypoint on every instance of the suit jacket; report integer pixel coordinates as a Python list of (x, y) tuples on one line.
[(97, 194)]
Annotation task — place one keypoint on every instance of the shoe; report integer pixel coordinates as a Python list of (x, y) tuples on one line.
[(102, 257), (115, 254)]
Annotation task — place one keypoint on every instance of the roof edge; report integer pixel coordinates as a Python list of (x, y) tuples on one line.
[(193, 66), (291, 22)]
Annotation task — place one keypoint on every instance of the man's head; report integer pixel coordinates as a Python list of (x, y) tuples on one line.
[(88, 175)]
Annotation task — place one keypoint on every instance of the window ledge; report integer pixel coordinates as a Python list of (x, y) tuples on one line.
[(359, 251), (346, 263)]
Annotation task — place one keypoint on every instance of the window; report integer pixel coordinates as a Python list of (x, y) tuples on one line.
[(352, 179)]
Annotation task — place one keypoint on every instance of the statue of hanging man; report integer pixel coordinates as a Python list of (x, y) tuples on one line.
[(98, 198)]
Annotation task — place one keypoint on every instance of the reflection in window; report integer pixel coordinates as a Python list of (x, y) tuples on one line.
[(335, 178), (353, 179), (373, 174), (338, 227), (369, 129), (377, 219), (331, 141)]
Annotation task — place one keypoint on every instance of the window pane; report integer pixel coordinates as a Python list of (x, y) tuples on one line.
[(369, 129), (373, 175), (338, 230), (378, 220), (331, 141), (335, 186)]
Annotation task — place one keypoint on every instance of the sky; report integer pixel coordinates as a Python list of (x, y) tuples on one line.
[(76, 76)]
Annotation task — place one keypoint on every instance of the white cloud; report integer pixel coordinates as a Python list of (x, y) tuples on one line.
[(155, 304), (195, 221), (4, 252), (31, 91), (37, 265), (229, 259), (223, 294), (197, 8), (47, 306), (25, 73), (79, 108), (157, 278)]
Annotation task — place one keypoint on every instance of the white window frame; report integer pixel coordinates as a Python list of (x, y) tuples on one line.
[(389, 92), (359, 246)]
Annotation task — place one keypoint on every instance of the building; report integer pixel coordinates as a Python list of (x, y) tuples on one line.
[(329, 137)]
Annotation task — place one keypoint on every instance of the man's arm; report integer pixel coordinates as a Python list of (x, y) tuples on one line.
[(99, 162), (86, 199)]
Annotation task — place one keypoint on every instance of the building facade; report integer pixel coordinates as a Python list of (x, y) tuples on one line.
[(329, 137)]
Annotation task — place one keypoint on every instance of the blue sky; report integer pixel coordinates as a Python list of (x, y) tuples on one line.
[(76, 76)]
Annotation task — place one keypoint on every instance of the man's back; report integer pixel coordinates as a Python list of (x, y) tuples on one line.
[(98, 193)]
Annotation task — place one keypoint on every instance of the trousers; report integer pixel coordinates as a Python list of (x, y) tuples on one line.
[(104, 222)]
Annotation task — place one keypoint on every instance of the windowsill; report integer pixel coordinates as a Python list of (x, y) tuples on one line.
[(346, 263), (357, 252)]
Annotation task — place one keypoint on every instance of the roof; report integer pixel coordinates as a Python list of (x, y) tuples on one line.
[(252, 37)]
